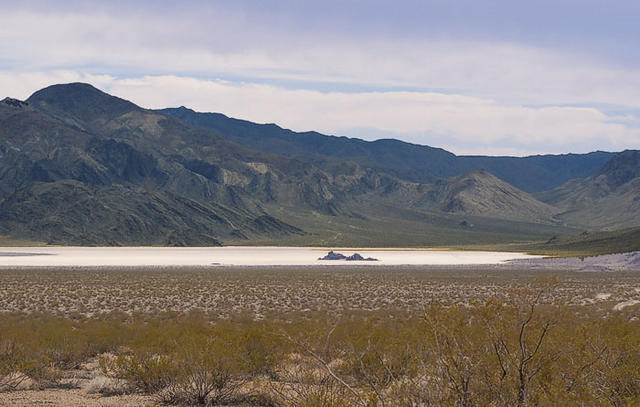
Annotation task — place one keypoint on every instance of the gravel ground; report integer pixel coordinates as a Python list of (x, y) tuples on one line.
[(71, 398)]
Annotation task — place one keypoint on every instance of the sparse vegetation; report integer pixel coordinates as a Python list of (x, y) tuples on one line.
[(496, 338), (278, 292), (487, 354), (589, 243)]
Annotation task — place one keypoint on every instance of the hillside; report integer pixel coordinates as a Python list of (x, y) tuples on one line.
[(79, 166), (588, 243), (411, 162), (609, 198), (482, 194), (61, 184)]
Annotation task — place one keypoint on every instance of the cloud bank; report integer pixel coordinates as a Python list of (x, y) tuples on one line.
[(489, 93)]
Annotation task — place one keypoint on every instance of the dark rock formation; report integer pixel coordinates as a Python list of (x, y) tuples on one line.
[(14, 102), (339, 256), (356, 256), (333, 256)]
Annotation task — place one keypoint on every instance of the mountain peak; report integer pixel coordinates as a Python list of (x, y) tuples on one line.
[(75, 89), (478, 192), (77, 103)]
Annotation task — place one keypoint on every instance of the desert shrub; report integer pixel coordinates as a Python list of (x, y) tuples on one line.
[(188, 360), (612, 358), (143, 371), (207, 370), (494, 353), (13, 365), (40, 348), (374, 359), (261, 347), (301, 382)]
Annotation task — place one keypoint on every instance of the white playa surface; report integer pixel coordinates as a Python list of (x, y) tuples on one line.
[(236, 256)]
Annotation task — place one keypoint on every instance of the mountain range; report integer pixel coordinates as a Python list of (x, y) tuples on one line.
[(79, 166), (411, 162)]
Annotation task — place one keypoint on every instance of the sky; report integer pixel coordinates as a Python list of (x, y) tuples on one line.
[(474, 76)]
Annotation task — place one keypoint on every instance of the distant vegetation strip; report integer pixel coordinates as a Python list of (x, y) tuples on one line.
[(594, 243), (588, 244)]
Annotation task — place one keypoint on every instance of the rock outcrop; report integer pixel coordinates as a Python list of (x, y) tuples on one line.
[(339, 256)]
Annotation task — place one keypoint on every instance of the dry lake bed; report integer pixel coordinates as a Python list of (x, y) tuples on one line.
[(238, 256)]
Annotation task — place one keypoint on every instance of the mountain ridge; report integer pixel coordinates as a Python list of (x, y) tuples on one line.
[(79, 166), (412, 162)]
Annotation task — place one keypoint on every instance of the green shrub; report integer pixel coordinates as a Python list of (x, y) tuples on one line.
[(521, 353), (143, 371)]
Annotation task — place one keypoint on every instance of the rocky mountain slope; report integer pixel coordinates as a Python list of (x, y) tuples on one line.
[(415, 163), (82, 167), (480, 193), (609, 198), (79, 166)]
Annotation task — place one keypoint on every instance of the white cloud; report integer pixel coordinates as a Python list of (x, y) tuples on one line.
[(225, 44)]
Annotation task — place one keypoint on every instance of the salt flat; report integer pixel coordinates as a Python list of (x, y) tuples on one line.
[(237, 256)]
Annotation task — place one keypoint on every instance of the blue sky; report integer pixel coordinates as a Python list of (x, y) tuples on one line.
[(488, 77)]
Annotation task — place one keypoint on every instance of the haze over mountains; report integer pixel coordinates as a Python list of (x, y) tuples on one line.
[(78, 166)]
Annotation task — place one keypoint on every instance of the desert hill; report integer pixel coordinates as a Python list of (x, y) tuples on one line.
[(609, 198), (480, 193), (79, 166)]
